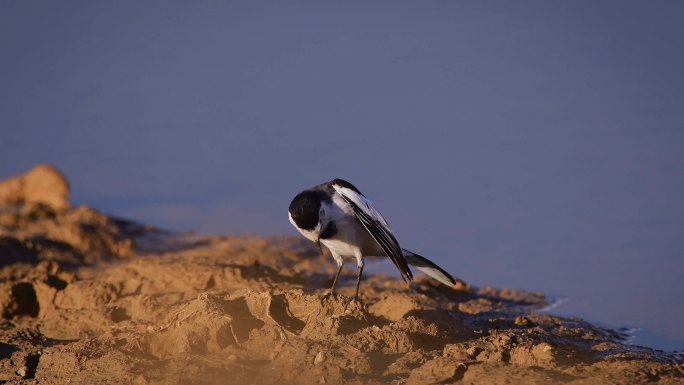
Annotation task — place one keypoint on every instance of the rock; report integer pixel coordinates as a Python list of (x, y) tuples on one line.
[(320, 357), (43, 184)]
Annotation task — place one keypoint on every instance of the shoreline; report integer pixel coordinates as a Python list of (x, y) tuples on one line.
[(91, 298), (139, 297)]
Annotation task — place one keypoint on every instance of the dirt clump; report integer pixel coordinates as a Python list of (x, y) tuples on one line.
[(42, 184)]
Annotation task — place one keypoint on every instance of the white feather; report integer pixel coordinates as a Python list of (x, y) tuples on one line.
[(363, 203)]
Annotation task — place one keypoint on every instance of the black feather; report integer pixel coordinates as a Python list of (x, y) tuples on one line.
[(384, 238)]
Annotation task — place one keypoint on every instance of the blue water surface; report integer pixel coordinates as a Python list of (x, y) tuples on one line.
[(533, 144)]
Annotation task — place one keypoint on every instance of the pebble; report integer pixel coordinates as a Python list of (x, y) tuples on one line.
[(320, 357)]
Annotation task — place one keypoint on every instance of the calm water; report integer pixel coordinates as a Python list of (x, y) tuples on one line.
[(522, 145)]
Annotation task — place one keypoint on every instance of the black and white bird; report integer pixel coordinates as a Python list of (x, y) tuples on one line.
[(337, 215)]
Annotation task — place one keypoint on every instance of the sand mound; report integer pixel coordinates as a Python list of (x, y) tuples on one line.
[(43, 184), (86, 298), (37, 224)]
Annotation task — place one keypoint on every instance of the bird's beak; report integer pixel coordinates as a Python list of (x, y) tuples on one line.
[(318, 243)]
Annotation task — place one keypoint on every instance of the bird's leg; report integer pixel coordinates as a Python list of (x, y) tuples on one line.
[(331, 292), (358, 280), (332, 288)]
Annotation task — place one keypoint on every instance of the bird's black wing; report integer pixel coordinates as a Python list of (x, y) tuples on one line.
[(375, 224)]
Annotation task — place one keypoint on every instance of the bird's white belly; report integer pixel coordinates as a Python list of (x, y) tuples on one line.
[(352, 240), (341, 248)]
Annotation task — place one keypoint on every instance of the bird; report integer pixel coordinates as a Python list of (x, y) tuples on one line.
[(337, 215)]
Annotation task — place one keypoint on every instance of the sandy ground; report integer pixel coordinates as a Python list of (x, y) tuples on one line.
[(87, 298)]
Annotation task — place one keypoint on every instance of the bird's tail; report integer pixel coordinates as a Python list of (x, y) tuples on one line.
[(428, 267)]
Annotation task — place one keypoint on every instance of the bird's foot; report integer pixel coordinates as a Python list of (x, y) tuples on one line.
[(355, 305), (328, 294)]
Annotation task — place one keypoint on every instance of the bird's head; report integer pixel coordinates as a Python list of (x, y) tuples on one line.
[(305, 213)]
